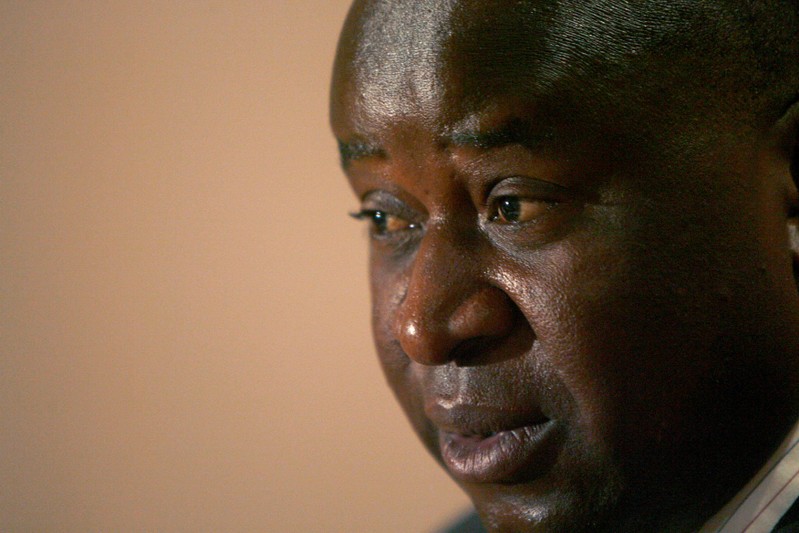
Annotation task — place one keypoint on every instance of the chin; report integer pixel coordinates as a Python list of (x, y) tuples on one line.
[(519, 511), (549, 503), (606, 505), (518, 508)]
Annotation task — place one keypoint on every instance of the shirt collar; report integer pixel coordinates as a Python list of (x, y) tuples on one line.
[(769, 494)]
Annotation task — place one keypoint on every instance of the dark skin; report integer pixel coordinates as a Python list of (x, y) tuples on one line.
[(582, 252)]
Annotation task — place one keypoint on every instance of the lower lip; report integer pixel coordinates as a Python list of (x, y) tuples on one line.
[(503, 457)]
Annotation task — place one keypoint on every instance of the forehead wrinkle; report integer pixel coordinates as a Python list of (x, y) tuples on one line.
[(539, 47), (611, 62), (612, 38)]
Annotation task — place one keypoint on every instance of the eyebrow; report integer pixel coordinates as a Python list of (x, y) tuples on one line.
[(516, 131), (354, 150), (513, 132)]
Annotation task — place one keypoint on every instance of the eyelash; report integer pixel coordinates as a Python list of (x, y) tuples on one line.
[(379, 222)]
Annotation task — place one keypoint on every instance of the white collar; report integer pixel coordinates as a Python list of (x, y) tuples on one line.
[(769, 494)]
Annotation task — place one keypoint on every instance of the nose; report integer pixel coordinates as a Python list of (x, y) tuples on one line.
[(449, 301)]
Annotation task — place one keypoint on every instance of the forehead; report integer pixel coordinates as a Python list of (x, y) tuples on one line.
[(447, 61)]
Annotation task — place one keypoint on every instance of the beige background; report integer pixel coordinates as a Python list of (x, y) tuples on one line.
[(183, 309)]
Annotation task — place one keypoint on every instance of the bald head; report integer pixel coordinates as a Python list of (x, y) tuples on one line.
[(744, 52)]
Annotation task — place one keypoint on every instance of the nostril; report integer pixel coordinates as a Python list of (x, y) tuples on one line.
[(489, 350), (473, 352)]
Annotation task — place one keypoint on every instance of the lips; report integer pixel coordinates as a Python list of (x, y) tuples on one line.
[(493, 445)]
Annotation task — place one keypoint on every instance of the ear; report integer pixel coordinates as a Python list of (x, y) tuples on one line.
[(793, 241), (788, 134)]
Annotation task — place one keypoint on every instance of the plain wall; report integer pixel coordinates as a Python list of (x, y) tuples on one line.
[(184, 341)]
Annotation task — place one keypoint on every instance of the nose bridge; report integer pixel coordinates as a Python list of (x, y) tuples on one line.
[(448, 300), (442, 271)]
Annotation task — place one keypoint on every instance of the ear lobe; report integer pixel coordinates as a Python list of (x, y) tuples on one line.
[(793, 243), (793, 238), (788, 133), (793, 217)]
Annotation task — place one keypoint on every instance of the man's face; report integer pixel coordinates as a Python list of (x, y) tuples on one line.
[(582, 287)]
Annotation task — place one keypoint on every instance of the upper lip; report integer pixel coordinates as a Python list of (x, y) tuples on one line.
[(472, 419)]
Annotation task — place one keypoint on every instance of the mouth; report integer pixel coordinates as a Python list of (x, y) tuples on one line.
[(493, 447)]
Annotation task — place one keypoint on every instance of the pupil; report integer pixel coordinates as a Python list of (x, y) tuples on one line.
[(510, 208), (379, 220)]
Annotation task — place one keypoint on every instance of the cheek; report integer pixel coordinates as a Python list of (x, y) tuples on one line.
[(605, 323), (643, 338), (388, 290), (561, 307)]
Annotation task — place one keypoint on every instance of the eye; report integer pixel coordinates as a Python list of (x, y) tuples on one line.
[(383, 223), (516, 209)]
